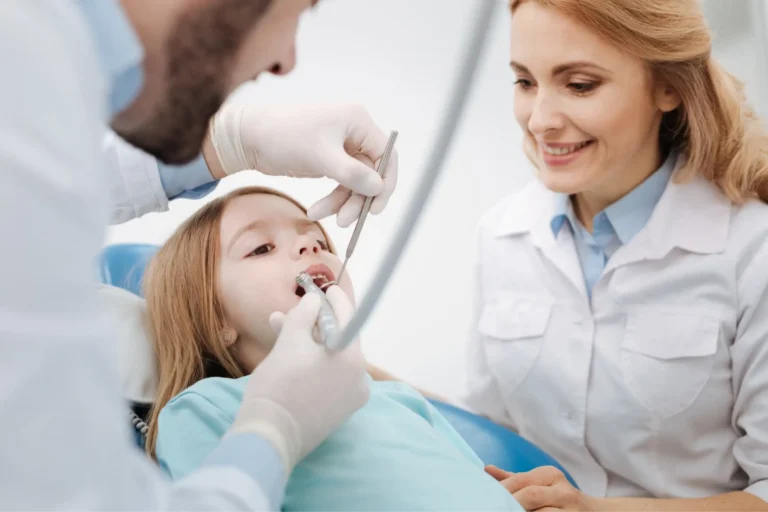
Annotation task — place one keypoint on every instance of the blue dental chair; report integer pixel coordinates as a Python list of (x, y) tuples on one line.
[(123, 265)]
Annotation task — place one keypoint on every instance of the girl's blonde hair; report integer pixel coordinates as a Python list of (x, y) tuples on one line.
[(186, 318), (718, 133)]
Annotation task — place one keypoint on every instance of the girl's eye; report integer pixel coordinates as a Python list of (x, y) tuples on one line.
[(323, 244), (262, 249)]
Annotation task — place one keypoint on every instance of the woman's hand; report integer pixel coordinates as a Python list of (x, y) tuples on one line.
[(544, 488)]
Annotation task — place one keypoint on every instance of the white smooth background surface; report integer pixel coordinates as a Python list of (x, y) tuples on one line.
[(398, 58)]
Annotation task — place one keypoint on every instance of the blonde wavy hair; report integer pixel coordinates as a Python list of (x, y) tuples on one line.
[(721, 137), (186, 317)]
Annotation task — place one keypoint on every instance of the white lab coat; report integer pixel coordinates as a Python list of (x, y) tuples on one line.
[(65, 439), (659, 387), (134, 180)]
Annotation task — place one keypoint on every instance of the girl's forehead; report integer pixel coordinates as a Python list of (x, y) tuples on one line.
[(260, 207), (255, 212)]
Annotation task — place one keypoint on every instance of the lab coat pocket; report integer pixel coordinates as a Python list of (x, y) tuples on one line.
[(512, 330), (667, 357)]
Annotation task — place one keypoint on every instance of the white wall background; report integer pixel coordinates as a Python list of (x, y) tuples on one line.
[(739, 34), (398, 58)]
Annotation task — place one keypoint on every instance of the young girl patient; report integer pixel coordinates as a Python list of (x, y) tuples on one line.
[(210, 292)]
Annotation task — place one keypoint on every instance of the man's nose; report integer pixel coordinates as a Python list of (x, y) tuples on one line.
[(286, 63)]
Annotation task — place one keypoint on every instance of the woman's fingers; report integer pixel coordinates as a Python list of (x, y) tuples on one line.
[(535, 497), (498, 473)]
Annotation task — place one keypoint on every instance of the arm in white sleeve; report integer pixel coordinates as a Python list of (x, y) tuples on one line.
[(749, 355), (141, 184), (483, 394), (65, 437)]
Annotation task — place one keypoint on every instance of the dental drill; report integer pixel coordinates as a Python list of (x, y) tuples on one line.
[(327, 325)]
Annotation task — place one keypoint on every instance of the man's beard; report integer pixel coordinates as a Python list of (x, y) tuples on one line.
[(201, 52)]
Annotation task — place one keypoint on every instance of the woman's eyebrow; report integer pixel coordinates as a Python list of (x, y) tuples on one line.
[(561, 68)]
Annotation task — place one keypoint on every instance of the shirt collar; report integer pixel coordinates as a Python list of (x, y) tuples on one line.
[(629, 214), (119, 50)]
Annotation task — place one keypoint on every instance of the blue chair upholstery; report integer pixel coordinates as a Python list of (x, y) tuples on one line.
[(123, 265), (496, 445)]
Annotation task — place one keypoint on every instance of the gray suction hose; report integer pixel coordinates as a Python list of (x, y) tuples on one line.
[(440, 148)]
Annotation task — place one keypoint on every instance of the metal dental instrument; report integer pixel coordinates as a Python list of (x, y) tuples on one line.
[(326, 319), (367, 205), (440, 148)]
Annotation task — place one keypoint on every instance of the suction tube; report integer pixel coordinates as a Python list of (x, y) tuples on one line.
[(440, 148)]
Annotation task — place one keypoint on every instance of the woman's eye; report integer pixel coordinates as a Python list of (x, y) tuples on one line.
[(323, 244), (582, 87), (262, 249)]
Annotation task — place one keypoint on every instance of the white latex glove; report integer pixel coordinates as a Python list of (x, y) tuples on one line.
[(340, 142), (302, 392)]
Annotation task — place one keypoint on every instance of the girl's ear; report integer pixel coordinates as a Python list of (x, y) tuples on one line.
[(229, 336)]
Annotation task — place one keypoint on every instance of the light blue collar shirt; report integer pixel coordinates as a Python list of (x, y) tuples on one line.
[(614, 226), (121, 56)]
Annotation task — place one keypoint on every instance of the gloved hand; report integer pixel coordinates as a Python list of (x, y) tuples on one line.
[(340, 142), (302, 392)]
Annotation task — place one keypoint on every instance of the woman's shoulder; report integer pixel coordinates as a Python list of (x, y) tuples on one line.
[(749, 222), (516, 209), (748, 234)]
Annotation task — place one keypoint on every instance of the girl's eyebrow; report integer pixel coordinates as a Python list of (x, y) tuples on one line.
[(256, 225)]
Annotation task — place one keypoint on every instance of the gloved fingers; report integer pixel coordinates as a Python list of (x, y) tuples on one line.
[(342, 306), (350, 210), (364, 136), (276, 321), (303, 317), (353, 173), (330, 204), (390, 182)]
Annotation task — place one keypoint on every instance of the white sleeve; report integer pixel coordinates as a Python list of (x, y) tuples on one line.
[(483, 394), (64, 436), (749, 355), (134, 180)]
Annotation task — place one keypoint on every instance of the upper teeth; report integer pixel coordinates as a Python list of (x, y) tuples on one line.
[(564, 150), (319, 276)]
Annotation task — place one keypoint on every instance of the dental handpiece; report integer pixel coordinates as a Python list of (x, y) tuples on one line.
[(326, 320)]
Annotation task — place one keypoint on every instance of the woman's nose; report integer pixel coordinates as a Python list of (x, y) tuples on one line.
[(544, 115)]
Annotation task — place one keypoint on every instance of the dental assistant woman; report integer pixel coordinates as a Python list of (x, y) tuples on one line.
[(621, 318), (156, 72)]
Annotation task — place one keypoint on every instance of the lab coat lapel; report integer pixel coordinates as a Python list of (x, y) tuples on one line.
[(693, 216), (532, 214), (560, 251)]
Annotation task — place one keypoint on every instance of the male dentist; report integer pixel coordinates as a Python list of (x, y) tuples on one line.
[(156, 72)]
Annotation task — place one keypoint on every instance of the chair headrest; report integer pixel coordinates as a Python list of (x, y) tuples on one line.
[(135, 353), (122, 271)]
